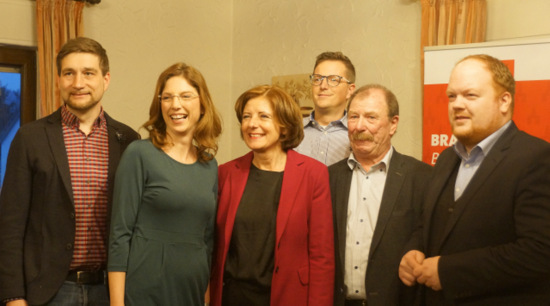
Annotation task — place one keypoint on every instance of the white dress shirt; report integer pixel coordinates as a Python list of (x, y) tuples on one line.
[(363, 206)]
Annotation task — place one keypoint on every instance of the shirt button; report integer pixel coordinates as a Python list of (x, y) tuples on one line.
[(356, 267), (451, 210)]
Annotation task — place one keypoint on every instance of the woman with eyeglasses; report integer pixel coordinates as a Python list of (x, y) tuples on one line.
[(274, 237), (165, 198)]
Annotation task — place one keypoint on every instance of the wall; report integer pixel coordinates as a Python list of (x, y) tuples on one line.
[(515, 19), (144, 37), (284, 37), (241, 43), (18, 22)]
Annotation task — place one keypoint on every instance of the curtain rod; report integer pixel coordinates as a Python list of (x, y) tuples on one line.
[(90, 1)]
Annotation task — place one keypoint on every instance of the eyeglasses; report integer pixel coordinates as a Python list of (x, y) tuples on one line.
[(183, 97), (332, 80)]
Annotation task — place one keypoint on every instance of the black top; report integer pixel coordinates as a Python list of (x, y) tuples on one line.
[(250, 259)]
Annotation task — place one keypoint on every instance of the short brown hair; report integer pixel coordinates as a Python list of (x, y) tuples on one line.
[(337, 56), (391, 99), (286, 112), (83, 45), (209, 125), (503, 80)]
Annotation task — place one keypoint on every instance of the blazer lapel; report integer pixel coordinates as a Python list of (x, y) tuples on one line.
[(115, 152), (237, 182), (394, 181), (443, 170), (292, 180), (343, 184), (54, 132)]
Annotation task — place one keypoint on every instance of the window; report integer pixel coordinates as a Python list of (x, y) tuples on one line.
[(17, 95)]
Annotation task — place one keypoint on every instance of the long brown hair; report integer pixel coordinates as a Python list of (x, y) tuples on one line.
[(209, 125)]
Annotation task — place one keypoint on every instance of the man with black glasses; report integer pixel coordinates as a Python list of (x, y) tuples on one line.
[(326, 129)]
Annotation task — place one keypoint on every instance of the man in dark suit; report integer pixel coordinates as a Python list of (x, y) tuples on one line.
[(486, 232), (377, 201), (56, 198)]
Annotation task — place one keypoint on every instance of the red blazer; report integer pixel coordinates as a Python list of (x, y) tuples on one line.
[(304, 253)]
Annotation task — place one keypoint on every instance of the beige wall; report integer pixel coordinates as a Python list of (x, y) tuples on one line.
[(241, 43), (144, 37), (17, 22), (516, 19), (284, 37)]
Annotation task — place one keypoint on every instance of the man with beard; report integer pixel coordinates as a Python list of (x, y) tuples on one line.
[(376, 197), (55, 202), (485, 238)]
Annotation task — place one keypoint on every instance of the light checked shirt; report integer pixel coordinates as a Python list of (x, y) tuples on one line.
[(329, 144)]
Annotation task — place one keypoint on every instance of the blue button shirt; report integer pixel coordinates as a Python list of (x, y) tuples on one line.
[(328, 144)]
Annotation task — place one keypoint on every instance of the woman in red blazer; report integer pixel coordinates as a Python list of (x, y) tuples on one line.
[(274, 237)]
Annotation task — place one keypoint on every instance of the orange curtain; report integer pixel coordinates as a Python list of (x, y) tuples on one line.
[(57, 21), (449, 22)]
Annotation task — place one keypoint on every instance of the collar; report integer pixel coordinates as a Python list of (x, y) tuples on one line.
[(70, 120), (483, 146), (310, 121), (384, 163)]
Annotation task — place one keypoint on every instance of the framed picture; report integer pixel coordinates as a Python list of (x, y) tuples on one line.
[(299, 88), (17, 95)]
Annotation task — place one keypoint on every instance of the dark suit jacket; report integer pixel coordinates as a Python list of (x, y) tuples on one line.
[(304, 253), (496, 245), (37, 216), (400, 211)]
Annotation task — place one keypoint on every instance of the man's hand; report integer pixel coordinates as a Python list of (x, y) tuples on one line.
[(409, 263), (427, 273), (20, 302)]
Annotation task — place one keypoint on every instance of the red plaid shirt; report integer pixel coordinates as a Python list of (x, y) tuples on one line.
[(89, 162)]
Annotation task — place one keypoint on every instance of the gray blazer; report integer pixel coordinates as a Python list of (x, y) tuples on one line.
[(399, 214), (37, 216)]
